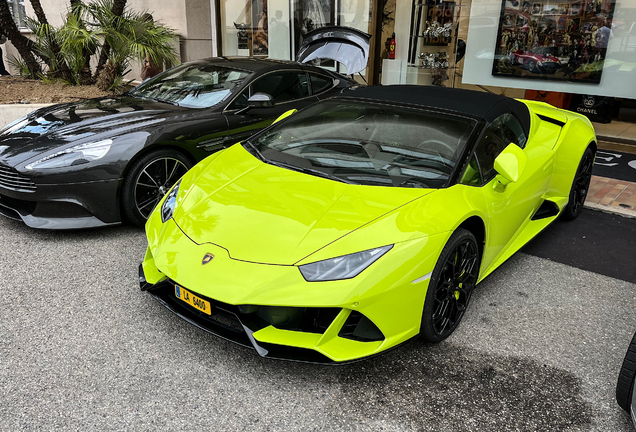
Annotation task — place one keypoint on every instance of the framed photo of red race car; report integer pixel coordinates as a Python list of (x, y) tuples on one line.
[(553, 40)]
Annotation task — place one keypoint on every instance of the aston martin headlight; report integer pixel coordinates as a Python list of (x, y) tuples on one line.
[(343, 267), (539, 63), (167, 208), (80, 154)]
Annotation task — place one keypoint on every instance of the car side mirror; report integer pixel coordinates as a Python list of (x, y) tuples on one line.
[(260, 100), (510, 165), (285, 115)]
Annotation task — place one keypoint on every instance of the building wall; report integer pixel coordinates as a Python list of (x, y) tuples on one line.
[(190, 18)]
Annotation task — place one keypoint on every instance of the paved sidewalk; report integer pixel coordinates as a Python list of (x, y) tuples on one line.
[(611, 195)]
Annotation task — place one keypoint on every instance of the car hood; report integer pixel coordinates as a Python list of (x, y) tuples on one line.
[(266, 214), (345, 45), (59, 125)]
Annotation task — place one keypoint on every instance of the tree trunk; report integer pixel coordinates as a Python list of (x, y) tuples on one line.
[(118, 10), (24, 45), (85, 76), (63, 69)]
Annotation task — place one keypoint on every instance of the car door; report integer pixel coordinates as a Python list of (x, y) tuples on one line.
[(290, 89), (509, 207)]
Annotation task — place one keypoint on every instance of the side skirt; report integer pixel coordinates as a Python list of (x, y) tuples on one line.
[(547, 213)]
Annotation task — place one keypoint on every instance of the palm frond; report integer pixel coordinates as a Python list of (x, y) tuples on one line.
[(20, 65)]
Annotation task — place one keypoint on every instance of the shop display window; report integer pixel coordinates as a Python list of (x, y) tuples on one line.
[(433, 43), (276, 28), (553, 39)]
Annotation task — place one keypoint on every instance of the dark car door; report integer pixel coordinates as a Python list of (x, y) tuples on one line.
[(290, 89)]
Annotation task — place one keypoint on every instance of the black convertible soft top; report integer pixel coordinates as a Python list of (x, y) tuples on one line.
[(483, 105)]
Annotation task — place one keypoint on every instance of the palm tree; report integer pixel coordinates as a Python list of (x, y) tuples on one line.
[(117, 10), (45, 30), (24, 45)]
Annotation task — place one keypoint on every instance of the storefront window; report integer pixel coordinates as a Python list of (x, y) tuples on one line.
[(276, 28)]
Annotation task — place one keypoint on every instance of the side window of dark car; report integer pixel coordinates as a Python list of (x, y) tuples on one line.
[(283, 86), (241, 99), (319, 83)]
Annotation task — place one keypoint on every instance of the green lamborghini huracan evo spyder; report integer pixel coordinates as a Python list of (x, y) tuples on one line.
[(364, 220)]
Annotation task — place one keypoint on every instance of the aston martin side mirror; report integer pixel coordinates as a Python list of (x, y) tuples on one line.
[(510, 165), (260, 100)]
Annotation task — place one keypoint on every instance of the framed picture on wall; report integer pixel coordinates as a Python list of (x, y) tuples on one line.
[(574, 24), (556, 41), (526, 7)]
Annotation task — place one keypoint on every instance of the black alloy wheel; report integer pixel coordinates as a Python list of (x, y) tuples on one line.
[(451, 286), (625, 384), (148, 180), (580, 186)]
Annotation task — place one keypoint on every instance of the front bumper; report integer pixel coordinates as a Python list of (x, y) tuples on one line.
[(375, 311), (63, 206), (228, 322)]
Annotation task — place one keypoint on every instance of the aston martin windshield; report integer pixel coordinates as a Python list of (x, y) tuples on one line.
[(192, 85), (368, 143)]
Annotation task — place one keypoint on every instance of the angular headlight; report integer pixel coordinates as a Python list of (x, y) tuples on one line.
[(343, 267), (167, 209), (80, 154)]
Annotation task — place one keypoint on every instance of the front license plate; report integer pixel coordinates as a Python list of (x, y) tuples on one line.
[(194, 301)]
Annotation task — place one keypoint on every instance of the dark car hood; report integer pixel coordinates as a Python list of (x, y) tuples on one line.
[(345, 45), (59, 125)]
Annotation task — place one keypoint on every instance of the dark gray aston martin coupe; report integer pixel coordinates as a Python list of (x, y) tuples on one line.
[(101, 161)]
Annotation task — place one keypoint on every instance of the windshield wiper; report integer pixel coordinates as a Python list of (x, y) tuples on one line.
[(317, 173)]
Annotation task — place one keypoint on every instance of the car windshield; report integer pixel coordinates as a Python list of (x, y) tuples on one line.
[(192, 85), (368, 143)]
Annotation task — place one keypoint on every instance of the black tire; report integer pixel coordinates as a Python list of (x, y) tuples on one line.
[(625, 383), (532, 66), (148, 180), (450, 288), (580, 186)]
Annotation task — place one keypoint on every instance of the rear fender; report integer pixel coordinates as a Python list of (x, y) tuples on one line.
[(577, 135)]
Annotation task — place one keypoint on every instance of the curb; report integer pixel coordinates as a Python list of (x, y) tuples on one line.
[(631, 214), (11, 112)]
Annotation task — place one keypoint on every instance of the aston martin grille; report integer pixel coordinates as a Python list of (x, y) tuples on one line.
[(11, 179)]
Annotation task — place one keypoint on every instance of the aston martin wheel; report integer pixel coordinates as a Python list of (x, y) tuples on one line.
[(580, 186), (451, 286), (148, 180), (532, 66)]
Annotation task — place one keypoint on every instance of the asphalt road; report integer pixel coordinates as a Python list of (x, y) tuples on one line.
[(615, 164), (81, 348)]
